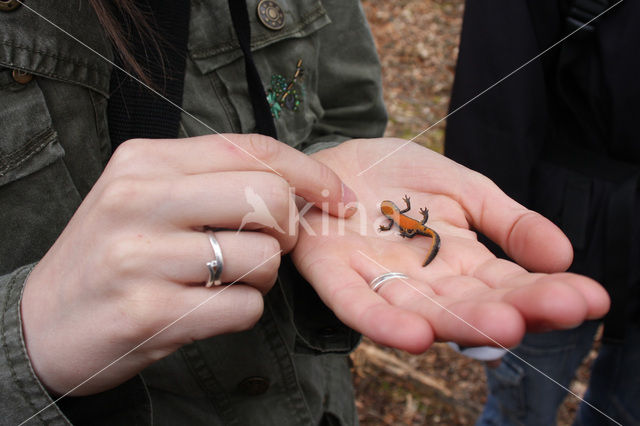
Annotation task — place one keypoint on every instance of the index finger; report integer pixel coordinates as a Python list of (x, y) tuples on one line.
[(310, 179)]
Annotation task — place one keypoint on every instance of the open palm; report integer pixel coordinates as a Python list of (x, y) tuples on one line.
[(465, 294)]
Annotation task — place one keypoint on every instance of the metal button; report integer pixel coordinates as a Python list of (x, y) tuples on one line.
[(270, 14), (9, 5), (254, 385), (21, 77)]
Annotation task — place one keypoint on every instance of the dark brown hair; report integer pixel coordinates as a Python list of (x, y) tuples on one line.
[(119, 31)]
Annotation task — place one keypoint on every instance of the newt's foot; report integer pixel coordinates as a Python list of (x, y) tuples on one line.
[(425, 214)]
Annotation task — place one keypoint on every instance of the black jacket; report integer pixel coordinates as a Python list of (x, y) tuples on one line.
[(559, 134)]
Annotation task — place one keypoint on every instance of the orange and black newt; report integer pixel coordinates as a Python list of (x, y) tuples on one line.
[(409, 227)]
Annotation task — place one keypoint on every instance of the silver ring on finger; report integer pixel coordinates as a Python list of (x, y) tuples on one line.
[(215, 265), (377, 282)]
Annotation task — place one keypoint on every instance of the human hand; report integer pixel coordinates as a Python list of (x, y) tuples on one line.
[(132, 259), (465, 294)]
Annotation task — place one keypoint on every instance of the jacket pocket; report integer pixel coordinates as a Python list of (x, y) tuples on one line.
[(286, 59), (212, 48), (27, 141), (37, 194)]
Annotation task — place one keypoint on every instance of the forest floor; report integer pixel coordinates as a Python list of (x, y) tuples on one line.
[(417, 41)]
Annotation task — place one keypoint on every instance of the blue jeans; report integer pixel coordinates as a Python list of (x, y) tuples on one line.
[(521, 395)]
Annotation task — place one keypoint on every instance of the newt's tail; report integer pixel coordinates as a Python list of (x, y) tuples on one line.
[(435, 246)]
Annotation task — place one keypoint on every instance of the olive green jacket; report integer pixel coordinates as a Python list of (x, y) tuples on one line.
[(291, 368)]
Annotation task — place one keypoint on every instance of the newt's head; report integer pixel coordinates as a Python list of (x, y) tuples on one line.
[(389, 209)]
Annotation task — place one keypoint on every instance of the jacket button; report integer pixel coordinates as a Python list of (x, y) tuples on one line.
[(21, 77), (270, 14), (254, 385), (9, 5)]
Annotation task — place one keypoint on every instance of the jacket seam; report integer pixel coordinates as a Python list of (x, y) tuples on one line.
[(260, 40), (208, 383), (27, 151), (95, 86), (148, 394), (102, 131), (287, 368), (54, 56), (227, 107)]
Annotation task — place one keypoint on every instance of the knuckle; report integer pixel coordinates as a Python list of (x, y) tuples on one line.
[(481, 179), (130, 151), (270, 258), (252, 306), (278, 191), (264, 148), (120, 194), (270, 248)]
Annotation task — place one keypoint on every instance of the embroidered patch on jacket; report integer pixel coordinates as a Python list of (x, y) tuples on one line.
[(283, 93)]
